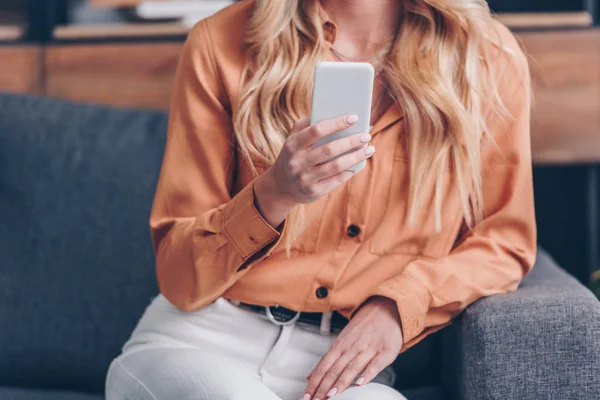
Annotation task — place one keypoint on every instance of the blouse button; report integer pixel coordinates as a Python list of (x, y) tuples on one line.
[(322, 292), (353, 231)]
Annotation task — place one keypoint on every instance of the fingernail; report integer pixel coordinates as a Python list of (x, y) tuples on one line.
[(306, 397), (352, 118), (360, 381), (364, 138), (359, 168), (332, 392), (369, 151)]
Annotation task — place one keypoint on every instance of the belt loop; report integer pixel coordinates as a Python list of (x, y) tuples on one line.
[(325, 328), (274, 363)]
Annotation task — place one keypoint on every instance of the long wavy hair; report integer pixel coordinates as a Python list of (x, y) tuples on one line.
[(439, 70)]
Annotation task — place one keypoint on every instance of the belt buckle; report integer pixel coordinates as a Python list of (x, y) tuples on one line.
[(281, 316)]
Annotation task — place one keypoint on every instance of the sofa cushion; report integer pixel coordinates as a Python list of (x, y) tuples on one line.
[(423, 393), (76, 263), (29, 394), (419, 366)]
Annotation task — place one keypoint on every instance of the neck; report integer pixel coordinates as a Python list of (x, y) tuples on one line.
[(365, 23)]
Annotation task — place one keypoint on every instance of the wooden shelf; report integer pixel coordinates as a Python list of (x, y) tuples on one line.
[(565, 68), (80, 31), (129, 75), (21, 69), (545, 20), (120, 30)]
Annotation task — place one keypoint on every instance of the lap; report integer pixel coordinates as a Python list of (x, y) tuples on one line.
[(187, 373), (183, 374)]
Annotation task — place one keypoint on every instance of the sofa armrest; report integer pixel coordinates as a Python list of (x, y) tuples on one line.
[(539, 342)]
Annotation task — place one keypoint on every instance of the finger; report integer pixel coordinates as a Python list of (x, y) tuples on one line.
[(333, 149), (353, 369), (329, 184), (376, 365), (326, 388), (312, 134), (301, 124), (316, 376), (334, 167)]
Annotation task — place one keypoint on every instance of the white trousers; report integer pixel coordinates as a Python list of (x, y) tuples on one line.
[(222, 352)]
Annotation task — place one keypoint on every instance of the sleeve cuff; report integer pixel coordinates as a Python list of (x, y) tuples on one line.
[(412, 299), (244, 226)]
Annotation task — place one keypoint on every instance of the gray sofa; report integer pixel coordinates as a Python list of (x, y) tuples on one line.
[(76, 272)]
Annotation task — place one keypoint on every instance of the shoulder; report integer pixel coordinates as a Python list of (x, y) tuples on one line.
[(215, 50), (500, 34), (507, 59), (508, 125), (223, 32)]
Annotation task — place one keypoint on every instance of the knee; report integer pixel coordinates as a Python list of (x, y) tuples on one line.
[(122, 384), (152, 375), (166, 374)]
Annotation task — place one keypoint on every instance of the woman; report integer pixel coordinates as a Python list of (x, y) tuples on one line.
[(286, 276)]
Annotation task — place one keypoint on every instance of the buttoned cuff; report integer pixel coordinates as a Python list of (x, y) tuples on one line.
[(244, 226), (412, 299)]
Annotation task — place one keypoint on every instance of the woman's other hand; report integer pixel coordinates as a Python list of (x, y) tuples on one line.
[(369, 343), (303, 173)]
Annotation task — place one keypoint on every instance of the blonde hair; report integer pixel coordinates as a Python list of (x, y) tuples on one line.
[(438, 70)]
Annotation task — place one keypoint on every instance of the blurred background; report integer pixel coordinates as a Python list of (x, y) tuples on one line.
[(124, 53), (85, 87)]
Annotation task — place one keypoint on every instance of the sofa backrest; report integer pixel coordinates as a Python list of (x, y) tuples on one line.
[(76, 263)]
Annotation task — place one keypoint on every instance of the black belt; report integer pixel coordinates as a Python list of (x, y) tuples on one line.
[(284, 316)]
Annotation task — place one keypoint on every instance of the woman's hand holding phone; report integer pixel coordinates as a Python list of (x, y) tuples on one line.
[(303, 173)]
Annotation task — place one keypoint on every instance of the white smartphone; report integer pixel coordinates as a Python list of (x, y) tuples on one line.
[(342, 88)]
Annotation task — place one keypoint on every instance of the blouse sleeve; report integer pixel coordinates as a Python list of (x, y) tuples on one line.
[(204, 237), (496, 254)]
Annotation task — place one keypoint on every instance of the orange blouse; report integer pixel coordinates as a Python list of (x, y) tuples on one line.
[(211, 241)]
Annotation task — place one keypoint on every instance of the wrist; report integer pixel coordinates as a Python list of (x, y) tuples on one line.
[(386, 304), (273, 205)]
